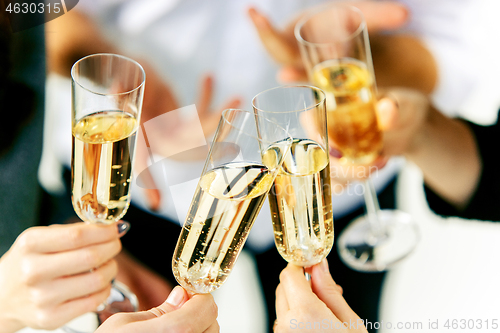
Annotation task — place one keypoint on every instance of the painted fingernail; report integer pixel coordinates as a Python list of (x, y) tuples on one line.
[(335, 153), (123, 228), (176, 296), (324, 266)]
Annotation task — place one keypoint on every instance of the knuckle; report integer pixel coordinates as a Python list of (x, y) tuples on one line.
[(38, 298), (284, 275), (98, 280), (26, 240), (340, 290), (91, 257), (279, 291), (44, 320), (213, 309), (113, 268), (331, 288), (30, 273), (75, 237)]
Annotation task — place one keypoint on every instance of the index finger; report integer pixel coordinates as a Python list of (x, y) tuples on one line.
[(297, 289), (65, 237)]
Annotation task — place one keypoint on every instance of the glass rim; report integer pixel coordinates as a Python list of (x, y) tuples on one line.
[(323, 99), (313, 12), (288, 136), (114, 55)]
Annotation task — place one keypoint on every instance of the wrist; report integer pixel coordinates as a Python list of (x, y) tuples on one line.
[(423, 137), (447, 154)]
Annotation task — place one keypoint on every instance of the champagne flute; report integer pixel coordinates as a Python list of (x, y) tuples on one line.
[(243, 161), (300, 198), (107, 93), (335, 49)]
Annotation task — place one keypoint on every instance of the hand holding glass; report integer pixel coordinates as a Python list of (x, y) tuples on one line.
[(238, 173), (107, 93), (300, 198), (334, 45)]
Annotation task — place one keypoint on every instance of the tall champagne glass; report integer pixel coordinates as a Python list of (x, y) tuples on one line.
[(300, 198), (243, 161), (334, 45), (107, 93)]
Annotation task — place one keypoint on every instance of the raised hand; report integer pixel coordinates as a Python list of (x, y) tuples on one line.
[(169, 132), (282, 45)]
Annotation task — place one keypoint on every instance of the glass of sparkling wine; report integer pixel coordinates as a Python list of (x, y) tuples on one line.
[(335, 49), (107, 93), (243, 161), (300, 197)]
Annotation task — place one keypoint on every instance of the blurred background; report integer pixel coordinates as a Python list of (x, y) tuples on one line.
[(453, 272)]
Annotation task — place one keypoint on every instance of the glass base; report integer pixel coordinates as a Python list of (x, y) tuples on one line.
[(362, 250), (121, 299)]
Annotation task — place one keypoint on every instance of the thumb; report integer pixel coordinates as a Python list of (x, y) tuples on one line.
[(178, 296), (329, 292), (387, 113)]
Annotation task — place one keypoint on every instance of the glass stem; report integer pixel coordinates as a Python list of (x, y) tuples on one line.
[(372, 209)]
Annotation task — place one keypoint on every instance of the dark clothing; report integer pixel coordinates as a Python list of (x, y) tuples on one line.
[(22, 89), (485, 200)]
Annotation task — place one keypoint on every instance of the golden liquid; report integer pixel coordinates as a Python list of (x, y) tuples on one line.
[(301, 205), (350, 103), (223, 210), (103, 145)]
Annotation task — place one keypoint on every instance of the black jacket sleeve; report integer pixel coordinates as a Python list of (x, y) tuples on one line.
[(485, 201)]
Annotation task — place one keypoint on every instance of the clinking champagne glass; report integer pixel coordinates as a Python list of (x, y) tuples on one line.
[(239, 171), (335, 49), (107, 93), (300, 198)]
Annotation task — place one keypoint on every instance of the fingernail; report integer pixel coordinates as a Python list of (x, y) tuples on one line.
[(385, 104), (176, 296), (335, 153), (324, 266), (123, 228)]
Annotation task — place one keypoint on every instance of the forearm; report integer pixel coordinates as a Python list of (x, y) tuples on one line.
[(71, 37), (447, 153)]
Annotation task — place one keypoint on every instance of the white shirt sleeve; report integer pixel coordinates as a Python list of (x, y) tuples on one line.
[(455, 31)]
